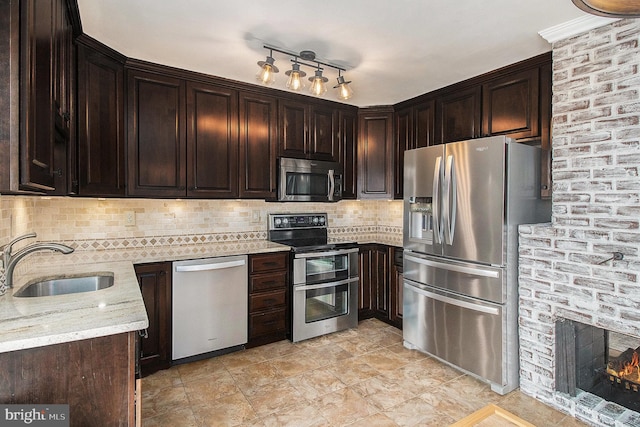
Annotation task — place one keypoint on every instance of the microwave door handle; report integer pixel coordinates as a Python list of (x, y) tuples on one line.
[(332, 184)]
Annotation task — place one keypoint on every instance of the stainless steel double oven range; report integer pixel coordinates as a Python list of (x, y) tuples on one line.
[(324, 276)]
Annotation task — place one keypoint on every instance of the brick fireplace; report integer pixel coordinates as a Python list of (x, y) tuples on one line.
[(567, 270)]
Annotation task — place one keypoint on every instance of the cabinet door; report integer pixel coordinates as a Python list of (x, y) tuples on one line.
[(365, 294), (155, 285), (460, 115), (37, 140), (424, 128), (258, 146), (323, 144), (510, 105), (380, 280), (375, 154), (348, 136), (63, 86), (212, 141), (293, 119), (403, 141), (396, 288), (545, 129), (100, 124), (156, 135)]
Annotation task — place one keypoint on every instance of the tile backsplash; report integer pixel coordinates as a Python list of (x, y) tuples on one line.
[(94, 224)]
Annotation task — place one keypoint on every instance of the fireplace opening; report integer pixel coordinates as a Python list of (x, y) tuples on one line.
[(598, 361)]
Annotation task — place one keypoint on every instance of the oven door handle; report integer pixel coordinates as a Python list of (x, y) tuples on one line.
[(453, 301), (325, 285), (326, 253)]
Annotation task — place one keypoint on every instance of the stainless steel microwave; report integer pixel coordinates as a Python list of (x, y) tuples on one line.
[(303, 180)]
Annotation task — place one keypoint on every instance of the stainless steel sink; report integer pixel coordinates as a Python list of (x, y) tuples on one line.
[(67, 285)]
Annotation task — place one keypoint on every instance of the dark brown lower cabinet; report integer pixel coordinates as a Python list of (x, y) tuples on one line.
[(155, 285), (268, 298), (396, 287), (95, 377), (380, 292)]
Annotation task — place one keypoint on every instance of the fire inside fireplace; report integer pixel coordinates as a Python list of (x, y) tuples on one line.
[(602, 362), (623, 370)]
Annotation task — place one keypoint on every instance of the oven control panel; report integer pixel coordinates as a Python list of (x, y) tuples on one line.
[(292, 221)]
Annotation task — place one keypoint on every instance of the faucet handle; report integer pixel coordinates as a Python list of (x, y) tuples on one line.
[(6, 250)]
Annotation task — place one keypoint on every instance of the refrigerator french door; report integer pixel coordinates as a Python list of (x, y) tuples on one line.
[(463, 202), (456, 204)]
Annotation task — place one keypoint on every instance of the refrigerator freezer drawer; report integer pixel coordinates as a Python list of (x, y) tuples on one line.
[(474, 280), (465, 332)]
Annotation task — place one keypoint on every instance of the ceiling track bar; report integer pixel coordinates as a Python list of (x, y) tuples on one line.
[(297, 59)]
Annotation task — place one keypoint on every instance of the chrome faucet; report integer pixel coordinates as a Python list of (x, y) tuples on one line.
[(6, 251), (13, 259)]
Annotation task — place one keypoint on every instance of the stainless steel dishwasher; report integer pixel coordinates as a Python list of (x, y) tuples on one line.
[(210, 300)]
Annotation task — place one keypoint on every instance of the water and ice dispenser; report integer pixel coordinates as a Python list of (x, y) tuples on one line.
[(421, 219)]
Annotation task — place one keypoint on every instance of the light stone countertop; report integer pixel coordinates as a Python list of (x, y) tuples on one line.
[(29, 322)]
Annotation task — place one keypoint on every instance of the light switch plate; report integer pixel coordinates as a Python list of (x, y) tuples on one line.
[(129, 218)]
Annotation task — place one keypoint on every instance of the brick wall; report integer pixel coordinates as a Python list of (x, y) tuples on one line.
[(596, 211)]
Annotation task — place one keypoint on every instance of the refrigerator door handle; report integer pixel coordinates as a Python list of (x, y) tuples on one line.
[(452, 202), (449, 207), (437, 217)]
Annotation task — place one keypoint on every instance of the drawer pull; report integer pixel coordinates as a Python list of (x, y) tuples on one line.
[(271, 322)]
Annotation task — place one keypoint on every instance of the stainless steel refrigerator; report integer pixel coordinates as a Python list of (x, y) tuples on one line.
[(463, 202)]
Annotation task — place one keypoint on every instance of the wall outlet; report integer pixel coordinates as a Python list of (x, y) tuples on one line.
[(129, 218), (255, 215)]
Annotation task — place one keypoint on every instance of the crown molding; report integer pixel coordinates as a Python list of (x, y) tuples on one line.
[(574, 27)]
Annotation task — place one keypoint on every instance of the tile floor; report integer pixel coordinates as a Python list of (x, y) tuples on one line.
[(360, 377)]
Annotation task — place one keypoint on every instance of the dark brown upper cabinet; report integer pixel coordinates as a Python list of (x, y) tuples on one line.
[(212, 141), (510, 105), (424, 119), (459, 114), (348, 136), (308, 130), (258, 145), (375, 153), (101, 141), (156, 137), (182, 137), (403, 139), (46, 94), (414, 128)]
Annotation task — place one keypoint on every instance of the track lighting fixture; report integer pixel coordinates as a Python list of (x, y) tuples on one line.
[(295, 77), (267, 70), (344, 90), (318, 87), (295, 74)]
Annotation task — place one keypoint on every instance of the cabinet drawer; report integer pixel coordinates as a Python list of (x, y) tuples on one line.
[(267, 300), (269, 281), (267, 322), (268, 262)]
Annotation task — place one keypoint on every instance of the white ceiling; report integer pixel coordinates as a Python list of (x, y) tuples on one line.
[(393, 49)]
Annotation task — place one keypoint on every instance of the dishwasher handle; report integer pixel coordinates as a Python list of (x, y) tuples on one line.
[(210, 266)]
